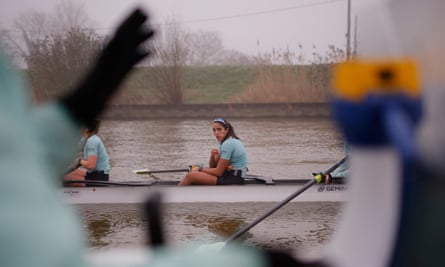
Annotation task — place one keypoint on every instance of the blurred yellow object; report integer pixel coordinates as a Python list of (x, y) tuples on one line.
[(318, 178), (356, 79)]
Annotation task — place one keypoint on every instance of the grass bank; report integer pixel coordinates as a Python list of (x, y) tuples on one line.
[(238, 84), (227, 84)]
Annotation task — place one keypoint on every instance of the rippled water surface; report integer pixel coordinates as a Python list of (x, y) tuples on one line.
[(277, 147), (288, 148), (297, 227)]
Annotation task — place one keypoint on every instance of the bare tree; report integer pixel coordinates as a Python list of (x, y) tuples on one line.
[(34, 25), (68, 15), (205, 47), (28, 26), (57, 61), (168, 62), (234, 57), (56, 48)]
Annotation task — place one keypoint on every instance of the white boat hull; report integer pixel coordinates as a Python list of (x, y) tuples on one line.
[(187, 194)]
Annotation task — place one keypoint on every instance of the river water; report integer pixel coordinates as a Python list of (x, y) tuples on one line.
[(282, 148)]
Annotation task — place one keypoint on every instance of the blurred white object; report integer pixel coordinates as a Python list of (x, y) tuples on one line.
[(366, 232), (419, 25)]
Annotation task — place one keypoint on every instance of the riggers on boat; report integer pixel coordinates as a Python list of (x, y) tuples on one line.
[(256, 189)]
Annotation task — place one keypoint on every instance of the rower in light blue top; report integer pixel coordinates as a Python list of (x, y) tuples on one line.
[(94, 164), (95, 147), (227, 165), (233, 150)]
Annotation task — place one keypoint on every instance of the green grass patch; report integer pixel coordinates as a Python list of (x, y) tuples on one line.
[(216, 84)]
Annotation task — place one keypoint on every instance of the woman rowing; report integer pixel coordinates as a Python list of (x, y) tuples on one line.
[(227, 164), (94, 164)]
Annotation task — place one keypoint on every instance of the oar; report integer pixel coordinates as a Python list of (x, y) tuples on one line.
[(317, 179), (153, 213), (105, 183), (147, 171)]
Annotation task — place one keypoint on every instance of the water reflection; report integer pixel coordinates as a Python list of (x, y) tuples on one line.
[(226, 227), (298, 226), (97, 229), (221, 226)]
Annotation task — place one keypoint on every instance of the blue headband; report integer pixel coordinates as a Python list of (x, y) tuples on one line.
[(222, 121)]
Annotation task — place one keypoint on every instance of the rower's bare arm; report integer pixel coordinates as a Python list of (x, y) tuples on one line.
[(220, 168), (90, 163)]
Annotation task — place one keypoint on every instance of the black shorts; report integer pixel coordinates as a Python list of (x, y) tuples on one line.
[(97, 176), (228, 178)]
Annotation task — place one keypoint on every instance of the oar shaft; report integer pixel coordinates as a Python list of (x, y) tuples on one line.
[(271, 211), (105, 183), (282, 203), (167, 171), (147, 171), (331, 169)]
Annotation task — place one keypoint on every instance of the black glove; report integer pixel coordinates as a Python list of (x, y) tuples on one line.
[(123, 51), (277, 258)]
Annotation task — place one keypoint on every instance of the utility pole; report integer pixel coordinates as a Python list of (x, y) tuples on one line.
[(355, 50), (348, 33)]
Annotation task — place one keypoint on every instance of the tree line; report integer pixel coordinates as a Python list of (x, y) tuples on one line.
[(55, 49)]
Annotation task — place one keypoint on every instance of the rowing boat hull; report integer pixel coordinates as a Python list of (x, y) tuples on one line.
[(188, 194)]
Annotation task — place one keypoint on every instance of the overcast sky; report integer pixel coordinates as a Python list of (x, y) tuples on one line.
[(242, 24)]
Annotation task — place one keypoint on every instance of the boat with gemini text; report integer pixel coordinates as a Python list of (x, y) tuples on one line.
[(256, 189)]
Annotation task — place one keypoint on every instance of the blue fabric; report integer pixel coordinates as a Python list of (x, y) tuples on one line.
[(36, 227), (368, 123), (213, 255), (232, 149), (95, 147)]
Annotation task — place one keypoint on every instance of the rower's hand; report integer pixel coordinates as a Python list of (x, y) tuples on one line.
[(124, 50), (214, 153), (78, 164), (319, 177), (214, 156), (195, 167)]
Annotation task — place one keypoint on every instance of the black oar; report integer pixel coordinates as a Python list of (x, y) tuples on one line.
[(153, 213), (147, 171), (315, 180)]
